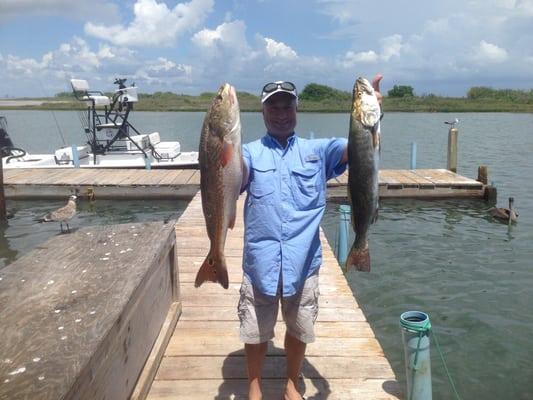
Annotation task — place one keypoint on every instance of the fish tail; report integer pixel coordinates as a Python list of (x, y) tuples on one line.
[(213, 269), (358, 258)]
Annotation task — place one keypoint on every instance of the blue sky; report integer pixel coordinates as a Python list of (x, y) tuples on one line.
[(440, 47)]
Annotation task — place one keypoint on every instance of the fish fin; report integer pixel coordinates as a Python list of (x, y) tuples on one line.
[(213, 270), (232, 218), (375, 216), (376, 142), (358, 258), (226, 154)]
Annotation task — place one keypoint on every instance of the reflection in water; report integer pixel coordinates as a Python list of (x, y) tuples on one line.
[(23, 233), (7, 254)]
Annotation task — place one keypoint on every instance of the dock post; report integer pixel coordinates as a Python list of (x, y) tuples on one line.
[(415, 334), (483, 174), (342, 233), (413, 155), (3, 214), (452, 149), (75, 156), (147, 163)]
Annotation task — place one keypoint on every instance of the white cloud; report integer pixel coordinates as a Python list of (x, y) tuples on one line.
[(489, 53), (101, 10), (154, 23), (351, 58), (391, 46), (279, 50), (227, 38), (163, 72), (25, 66)]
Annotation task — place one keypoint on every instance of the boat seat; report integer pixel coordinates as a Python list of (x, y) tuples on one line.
[(80, 87), (98, 100)]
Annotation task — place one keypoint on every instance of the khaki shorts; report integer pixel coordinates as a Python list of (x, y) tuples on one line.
[(258, 312)]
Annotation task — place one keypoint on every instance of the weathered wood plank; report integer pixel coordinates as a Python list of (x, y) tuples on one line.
[(155, 183), (330, 389), (322, 347), (81, 312), (233, 366), (221, 329)]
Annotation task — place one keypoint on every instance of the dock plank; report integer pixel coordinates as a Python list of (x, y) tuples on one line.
[(319, 388), (184, 183)]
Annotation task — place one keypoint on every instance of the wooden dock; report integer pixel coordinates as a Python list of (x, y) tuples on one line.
[(205, 359), (81, 313), (184, 184)]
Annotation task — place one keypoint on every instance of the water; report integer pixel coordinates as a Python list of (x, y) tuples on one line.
[(22, 232), (471, 274)]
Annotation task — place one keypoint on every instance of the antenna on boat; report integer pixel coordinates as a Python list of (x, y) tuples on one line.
[(54, 116)]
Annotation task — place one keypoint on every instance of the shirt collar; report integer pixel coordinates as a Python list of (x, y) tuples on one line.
[(274, 142)]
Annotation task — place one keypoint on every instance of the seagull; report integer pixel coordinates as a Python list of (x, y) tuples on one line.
[(452, 123), (62, 214)]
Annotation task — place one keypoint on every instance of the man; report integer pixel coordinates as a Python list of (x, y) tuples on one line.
[(285, 179)]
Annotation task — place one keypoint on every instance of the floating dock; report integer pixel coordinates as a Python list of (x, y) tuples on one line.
[(185, 183), (205, 358)]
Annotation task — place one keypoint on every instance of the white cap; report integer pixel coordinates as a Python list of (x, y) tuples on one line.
[(281, 86)]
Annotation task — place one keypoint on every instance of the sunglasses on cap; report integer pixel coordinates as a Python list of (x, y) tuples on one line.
[(272, 86)]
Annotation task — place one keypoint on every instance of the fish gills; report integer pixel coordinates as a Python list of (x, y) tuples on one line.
[(363, 160), (220, 179)]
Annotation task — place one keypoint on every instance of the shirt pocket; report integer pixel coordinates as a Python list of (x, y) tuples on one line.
[(263, 183), (307, 186)]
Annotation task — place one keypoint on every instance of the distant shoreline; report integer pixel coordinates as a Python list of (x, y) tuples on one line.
[(249, 103)]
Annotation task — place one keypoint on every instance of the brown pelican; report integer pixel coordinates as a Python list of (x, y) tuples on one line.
[(63, 214), (505, 214)]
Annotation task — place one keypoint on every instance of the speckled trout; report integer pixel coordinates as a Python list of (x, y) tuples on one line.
[(220, 179), (363, 160)]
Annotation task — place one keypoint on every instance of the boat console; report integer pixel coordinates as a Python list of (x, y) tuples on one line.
[(109, 130)]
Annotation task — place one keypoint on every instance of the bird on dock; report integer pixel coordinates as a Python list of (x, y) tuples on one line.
[(507, 215), (452, 123), (63, 214)]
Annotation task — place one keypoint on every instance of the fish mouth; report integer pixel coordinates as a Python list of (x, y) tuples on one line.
[(227, 91), (364, 86)]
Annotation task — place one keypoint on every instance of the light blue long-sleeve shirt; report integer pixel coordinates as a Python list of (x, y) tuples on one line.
[(286, 199)]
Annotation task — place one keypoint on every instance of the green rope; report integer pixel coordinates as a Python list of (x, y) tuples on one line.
[(422, 331), (446, 367)]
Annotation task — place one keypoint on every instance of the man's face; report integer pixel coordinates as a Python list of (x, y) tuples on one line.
[(279, 114)]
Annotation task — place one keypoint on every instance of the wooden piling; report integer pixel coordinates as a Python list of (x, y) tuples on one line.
[(483, 174), (452, 149)]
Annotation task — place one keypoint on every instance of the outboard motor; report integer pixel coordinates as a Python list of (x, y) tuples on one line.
[(7, 148), (5, 141)]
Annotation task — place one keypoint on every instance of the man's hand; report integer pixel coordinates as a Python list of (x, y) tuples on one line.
[(375, 84)]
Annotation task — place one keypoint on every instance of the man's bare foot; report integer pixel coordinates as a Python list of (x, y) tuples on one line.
[(291, 393), (254, 391)]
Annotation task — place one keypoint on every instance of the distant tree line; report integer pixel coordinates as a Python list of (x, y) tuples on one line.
[(314, 92), (481, 92)]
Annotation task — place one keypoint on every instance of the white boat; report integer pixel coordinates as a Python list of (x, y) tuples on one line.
[(112, 142)]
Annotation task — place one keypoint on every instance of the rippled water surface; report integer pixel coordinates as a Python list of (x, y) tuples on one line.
[(449, 258)]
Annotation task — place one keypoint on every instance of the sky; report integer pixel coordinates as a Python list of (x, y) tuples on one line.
[(437, 47)]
